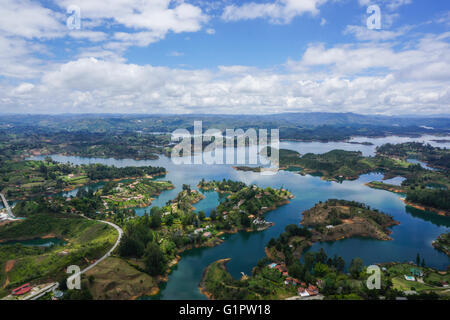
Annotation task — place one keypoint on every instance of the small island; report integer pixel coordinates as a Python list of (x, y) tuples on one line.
[(136, 194), (442, 243), (281, 274), (339, 219), (426, 188)]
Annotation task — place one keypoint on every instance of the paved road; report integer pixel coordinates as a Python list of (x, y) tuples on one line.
[(42, 292), (120, 231), (6, 205)]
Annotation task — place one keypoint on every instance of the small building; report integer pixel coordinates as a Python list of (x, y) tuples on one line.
[(272, 265), (303, 292), (416, 272), (312, 290), (21, 290)]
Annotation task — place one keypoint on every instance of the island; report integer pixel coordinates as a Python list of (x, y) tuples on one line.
[(135, 194), (425, 188), (338, 219), (442, 243), (152, 243), (30, 179), (281, 275)]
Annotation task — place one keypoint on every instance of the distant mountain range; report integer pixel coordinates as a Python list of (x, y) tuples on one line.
[(313, 125)]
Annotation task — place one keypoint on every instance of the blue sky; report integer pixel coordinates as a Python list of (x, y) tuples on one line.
[(162, 56)]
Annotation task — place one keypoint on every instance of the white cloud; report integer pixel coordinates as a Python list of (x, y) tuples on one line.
[(210, 31), (390, 4), (16, 58), (350, 59), (363, 33), (409, 80), (281, 11), (29, 20), (24, 87), (147, 21), (93, 36)]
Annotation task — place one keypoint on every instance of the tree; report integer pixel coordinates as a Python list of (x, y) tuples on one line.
[(339, 263), (309, 260), (155, 263), (321, 256), (356, 267), (297, 270), (131, 246), (155, 214), (418, 259), (245, 221), (213, 215), (201, 215), (320, 269)]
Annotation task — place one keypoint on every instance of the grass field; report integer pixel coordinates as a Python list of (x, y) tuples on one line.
[(86, 240), (114, 278)]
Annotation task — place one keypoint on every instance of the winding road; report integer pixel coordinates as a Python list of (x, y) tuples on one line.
[(55, 285), (119, 230)]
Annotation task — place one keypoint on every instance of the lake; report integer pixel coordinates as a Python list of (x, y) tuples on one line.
[(414, 235)]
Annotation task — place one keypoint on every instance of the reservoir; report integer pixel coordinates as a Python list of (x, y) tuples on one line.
[(414, 235)]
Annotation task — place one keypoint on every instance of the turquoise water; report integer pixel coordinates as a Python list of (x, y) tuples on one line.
[(38, 242), (211, 201), (414, 235)]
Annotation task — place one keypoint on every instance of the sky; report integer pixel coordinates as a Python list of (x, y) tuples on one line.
[(225, 56)]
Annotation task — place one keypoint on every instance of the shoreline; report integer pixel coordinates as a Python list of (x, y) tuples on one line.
[(222, 264), (440, 212), (73, 187)]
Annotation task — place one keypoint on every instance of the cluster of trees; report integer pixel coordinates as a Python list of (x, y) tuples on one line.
[(100, 171), (435, 198), (435, 156), (86, 202), (281, 243), (254, 200), (224, 185), (140, 241)]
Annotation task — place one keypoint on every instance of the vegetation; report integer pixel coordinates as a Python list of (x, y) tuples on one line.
[(442, 243), (439, 199), (337, 219), (434, 156), (138, 193), (28, 179), (328, 275), (155, 239), (85, 240)]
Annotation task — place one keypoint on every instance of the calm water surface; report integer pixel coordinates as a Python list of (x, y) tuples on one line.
[(414, 235)]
